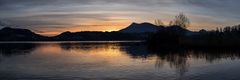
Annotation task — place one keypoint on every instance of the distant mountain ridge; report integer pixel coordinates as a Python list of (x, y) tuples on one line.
[(141, 28), (133, 32), (98, 36), (16, 34)]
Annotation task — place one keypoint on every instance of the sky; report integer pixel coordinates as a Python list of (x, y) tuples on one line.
[(51, 17)]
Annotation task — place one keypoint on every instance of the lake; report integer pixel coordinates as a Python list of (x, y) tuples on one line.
[(113, 60)]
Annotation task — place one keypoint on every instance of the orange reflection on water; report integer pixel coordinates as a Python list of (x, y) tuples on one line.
[(49, 49), (79, 53)]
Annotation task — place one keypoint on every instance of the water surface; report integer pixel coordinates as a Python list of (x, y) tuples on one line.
[(113, 61)]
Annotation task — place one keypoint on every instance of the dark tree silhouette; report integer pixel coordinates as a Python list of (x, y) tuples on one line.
[(171, 23), (173, 36), (158, 22), (181, 20)]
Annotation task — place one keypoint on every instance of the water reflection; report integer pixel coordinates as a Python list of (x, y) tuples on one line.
[(12, 49), (180, 59), (115, 57)]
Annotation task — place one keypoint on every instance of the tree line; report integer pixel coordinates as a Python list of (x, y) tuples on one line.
[(179, 20), (176, 35)]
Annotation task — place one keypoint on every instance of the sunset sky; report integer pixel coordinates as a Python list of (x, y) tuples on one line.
[(51, 17)]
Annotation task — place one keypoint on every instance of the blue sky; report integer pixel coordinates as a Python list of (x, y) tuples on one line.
[(51, 17)]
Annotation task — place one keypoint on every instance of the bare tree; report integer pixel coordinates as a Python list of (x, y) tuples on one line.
[(171, 23), (158, 22), (182, 20)]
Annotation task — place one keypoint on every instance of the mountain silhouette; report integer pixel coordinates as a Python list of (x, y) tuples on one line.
[(97, 36), (141, 28), (133, 32), (176, 29), (17, 34)]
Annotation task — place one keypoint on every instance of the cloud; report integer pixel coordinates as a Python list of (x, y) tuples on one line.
[(54, 13)]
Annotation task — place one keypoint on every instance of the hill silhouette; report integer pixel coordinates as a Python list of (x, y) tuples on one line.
[(16, 34), (155, 36), (141, 28), (97, 36), (178, 37), (133, 32)]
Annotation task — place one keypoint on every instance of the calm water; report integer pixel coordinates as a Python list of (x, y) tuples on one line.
[(113, 61)]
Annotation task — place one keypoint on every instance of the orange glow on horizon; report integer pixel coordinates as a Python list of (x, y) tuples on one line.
[(109, 26), (87, 26)]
